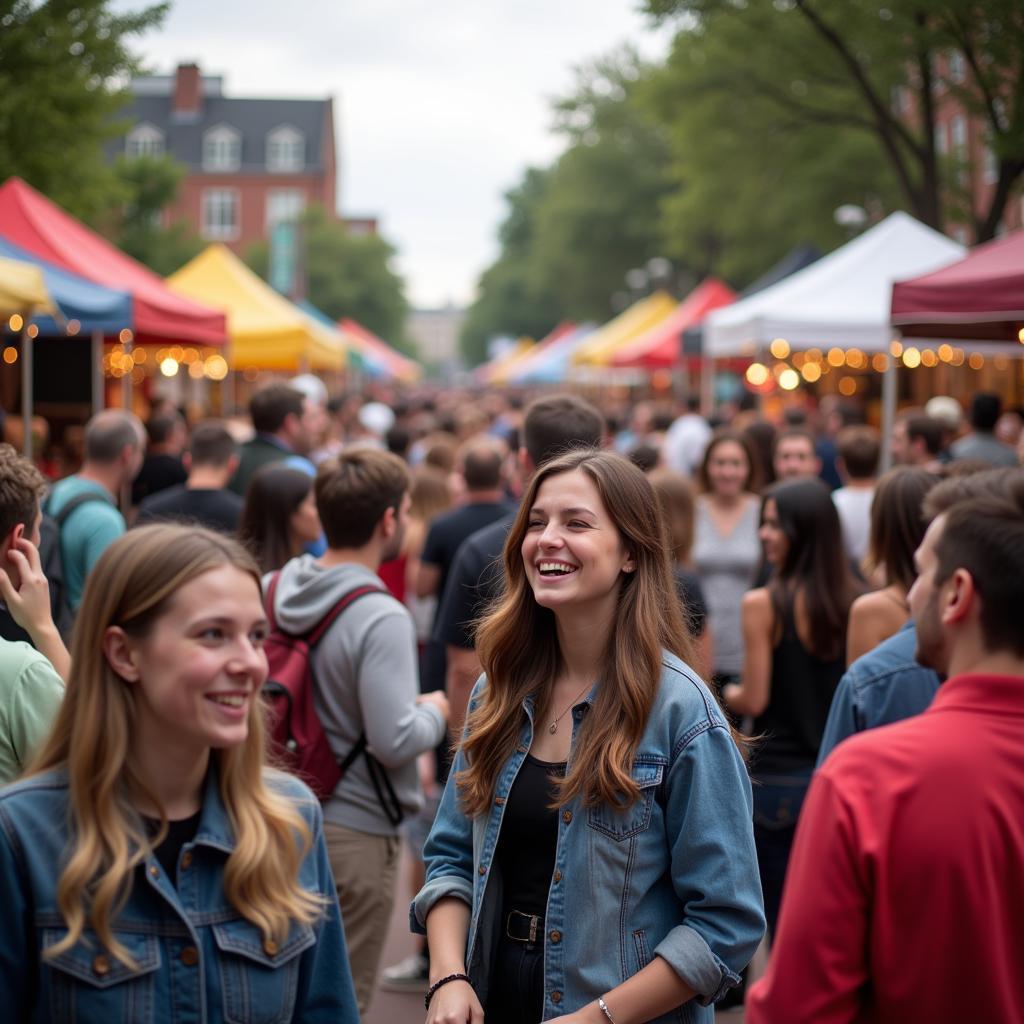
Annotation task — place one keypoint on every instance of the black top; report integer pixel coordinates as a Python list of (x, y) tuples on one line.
[(449, 530), (473, 582), (529, 837), (178, 834), (692, 597), (219, 510), (157, 474), (802, 686)]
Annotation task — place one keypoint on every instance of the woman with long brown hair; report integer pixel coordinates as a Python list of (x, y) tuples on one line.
[(150, 861), (593, 858)]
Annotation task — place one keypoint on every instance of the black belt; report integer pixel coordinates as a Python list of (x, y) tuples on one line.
[(522, 927)]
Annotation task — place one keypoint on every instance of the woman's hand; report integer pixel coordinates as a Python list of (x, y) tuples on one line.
[(455, 1003)]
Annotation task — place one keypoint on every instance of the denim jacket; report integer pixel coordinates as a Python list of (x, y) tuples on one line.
[(883, 686), (197, 959), (674, 875)]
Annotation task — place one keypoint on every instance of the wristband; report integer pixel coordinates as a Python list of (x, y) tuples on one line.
[(444, 981), (605, 1010)]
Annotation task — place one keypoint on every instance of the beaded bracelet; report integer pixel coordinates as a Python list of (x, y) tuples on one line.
[(444, 981)]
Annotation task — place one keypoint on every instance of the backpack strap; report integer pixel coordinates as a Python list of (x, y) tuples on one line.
[(75, 503), (316, 634)]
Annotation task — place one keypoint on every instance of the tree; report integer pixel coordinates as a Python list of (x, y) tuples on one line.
[(348, 275), (62, 68), (149, 185), (841, 65)]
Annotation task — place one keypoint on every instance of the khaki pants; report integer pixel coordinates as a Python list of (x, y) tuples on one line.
[(364, 869)]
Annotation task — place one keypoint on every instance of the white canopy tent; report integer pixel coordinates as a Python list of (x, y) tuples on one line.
[(843, 300)]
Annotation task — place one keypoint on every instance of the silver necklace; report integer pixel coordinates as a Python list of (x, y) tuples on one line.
[(553, 727)]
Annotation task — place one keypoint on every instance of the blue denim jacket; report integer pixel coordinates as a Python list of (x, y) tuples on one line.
[(197, 959), (675, 875), (883, 686)]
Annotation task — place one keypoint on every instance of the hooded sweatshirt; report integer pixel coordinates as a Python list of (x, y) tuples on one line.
[(366, 679)]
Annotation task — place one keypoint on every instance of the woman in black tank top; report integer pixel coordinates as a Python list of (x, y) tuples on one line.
[(794, 633)]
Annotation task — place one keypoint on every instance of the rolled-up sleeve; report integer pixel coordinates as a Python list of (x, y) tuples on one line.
[(709, 818)]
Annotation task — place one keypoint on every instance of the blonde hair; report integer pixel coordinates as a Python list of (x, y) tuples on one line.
[(519, 649), (131, 586)]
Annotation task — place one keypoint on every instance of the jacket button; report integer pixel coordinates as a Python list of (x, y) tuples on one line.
[(190, 956), (499, 801), (270, 947), (567, 816), (482, 869), (555, 937), (154, 872), (557, 876), (100, 965), (186, 860), (556, 997)]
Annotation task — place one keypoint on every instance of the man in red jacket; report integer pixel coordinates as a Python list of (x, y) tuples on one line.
[(905, 890)]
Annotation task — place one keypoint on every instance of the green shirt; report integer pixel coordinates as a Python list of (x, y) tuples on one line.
[(30, 694)]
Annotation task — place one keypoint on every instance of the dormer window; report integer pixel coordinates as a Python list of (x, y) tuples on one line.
[(222, 149), (286, 150), (144, 140)]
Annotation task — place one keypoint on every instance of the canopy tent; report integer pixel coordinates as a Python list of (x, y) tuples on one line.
[(841, 301), (661, 347), (362, 362), (643, 315), (267, 332), (90, 307), (549, 364), (498, 369), (979, 298), (370, 346), (22, 289), (42, 228)]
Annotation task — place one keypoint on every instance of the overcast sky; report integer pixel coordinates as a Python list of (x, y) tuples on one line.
[(439, 106)]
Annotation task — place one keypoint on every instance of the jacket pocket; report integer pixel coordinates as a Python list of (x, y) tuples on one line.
[(259, 980), (88, 983), (623, 823), (643, 954)]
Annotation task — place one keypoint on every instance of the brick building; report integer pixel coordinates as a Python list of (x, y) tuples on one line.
[(251, 163)]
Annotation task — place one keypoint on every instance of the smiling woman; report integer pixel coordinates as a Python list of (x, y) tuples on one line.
[(149, 834)]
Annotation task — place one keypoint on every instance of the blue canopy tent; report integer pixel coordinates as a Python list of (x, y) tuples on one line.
[(362, 362)]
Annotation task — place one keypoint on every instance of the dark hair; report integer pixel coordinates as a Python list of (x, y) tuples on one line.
[(644, 455), (814, 563), (987, 482), (928, 429), (354, 490), (986, 407), (273, 495), (760, 436), (985, 536), (859, 448), (790, 432), (482, 459), (721, 436), (398, 440), (160, 425), (211, 444), (556, 423), (898, 522), (271, 406), (21, 488), (109, 432)]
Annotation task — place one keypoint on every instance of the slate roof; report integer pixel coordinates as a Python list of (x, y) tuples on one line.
[(253, 118)]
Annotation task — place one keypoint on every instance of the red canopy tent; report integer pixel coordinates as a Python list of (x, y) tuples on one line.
[(32, 221), (661, 346), (978, 298)]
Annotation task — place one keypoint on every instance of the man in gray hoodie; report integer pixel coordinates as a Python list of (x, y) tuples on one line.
[(366, 681)]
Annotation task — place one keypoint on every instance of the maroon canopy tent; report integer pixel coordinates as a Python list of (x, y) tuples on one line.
[(978, 298)]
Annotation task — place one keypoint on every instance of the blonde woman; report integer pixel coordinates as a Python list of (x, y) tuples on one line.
[(593, 856), (150, 864)]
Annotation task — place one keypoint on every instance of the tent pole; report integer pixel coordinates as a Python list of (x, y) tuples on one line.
[(26, 390), (889, 393), (97, 372), (707, 381), (126, 382)]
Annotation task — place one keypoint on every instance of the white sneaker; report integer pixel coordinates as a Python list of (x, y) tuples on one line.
[(409, 975)]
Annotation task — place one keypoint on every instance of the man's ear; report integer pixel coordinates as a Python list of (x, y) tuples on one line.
[(388, 523), (120, 654), (958, 597), (186, 461)]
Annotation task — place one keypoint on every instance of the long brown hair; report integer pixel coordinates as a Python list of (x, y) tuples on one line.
[(519, 651), (131, 586)]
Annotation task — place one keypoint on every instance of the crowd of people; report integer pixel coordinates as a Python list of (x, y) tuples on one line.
[(603, 669)]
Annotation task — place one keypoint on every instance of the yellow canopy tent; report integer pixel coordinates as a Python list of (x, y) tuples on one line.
[(497, 372), (23, 289), (630, 323), (267, 331)]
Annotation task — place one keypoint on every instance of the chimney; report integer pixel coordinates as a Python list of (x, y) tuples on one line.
[(188, 92)]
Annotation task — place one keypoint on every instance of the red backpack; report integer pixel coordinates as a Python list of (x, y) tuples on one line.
[(297, 737)]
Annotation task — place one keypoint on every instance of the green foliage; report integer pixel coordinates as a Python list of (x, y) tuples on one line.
[(63, 64), (348, 275)]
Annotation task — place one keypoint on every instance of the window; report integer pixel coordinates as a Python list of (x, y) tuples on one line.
[(144, 140), (222, 149), (286, 150), (940, 138), (220, 214), (958, 133), (284, 205), (989, 161), (957, 67)]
